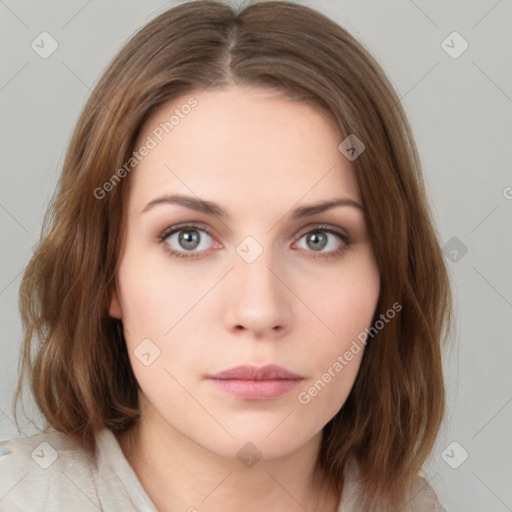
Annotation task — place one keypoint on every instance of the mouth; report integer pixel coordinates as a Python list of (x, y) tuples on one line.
[(256, 383)]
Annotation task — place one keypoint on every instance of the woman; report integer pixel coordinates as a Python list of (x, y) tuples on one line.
[(239, 296)]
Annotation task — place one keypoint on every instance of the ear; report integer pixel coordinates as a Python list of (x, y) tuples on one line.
[(115, 308)]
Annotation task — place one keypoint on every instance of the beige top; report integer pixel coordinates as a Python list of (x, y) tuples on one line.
[(49, 472)]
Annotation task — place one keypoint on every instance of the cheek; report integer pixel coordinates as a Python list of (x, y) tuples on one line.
[(346, 307), (345, 304), (146, 310), (152, 299), (336, 358), (323, 396), (158, 308)]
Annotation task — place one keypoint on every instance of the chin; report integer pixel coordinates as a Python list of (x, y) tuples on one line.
[(255, 443)]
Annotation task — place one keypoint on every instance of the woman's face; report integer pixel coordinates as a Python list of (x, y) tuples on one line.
[(270, 280)]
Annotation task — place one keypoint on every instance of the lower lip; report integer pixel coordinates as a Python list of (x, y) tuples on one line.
[(256, 389)]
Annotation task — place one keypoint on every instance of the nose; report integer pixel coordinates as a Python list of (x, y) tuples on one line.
[(258, 299)]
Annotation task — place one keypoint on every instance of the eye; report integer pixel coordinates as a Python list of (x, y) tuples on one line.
[(186, 241), (193, 241), (324, 237)]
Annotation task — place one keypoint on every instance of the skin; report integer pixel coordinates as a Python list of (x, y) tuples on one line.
[(258, 156)]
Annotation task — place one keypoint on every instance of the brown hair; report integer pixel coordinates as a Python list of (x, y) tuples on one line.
[(80, 373)]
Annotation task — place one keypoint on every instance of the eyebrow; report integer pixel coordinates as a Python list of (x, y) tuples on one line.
[(211, 208)]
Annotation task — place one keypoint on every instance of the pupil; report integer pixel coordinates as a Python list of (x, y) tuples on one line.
[(319, 240)]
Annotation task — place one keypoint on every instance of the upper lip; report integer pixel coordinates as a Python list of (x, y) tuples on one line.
[(248, 372)]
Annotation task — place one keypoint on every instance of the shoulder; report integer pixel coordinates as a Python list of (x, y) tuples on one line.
[(420, 497), (32, 468)]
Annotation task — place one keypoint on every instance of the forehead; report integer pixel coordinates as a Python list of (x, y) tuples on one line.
[(242, 145)]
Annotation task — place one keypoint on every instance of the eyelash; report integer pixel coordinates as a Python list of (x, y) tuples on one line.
[(194, 227)]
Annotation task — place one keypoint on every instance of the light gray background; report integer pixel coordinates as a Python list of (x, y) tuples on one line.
[(460, 110)]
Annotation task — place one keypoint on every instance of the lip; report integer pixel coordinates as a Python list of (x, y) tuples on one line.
[(250, 372), (256, 383)]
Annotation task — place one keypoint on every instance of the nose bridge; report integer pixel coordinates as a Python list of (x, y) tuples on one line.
[(256, 276)]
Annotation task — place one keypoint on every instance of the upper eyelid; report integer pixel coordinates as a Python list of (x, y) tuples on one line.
[(299, 233), (182, 226)]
